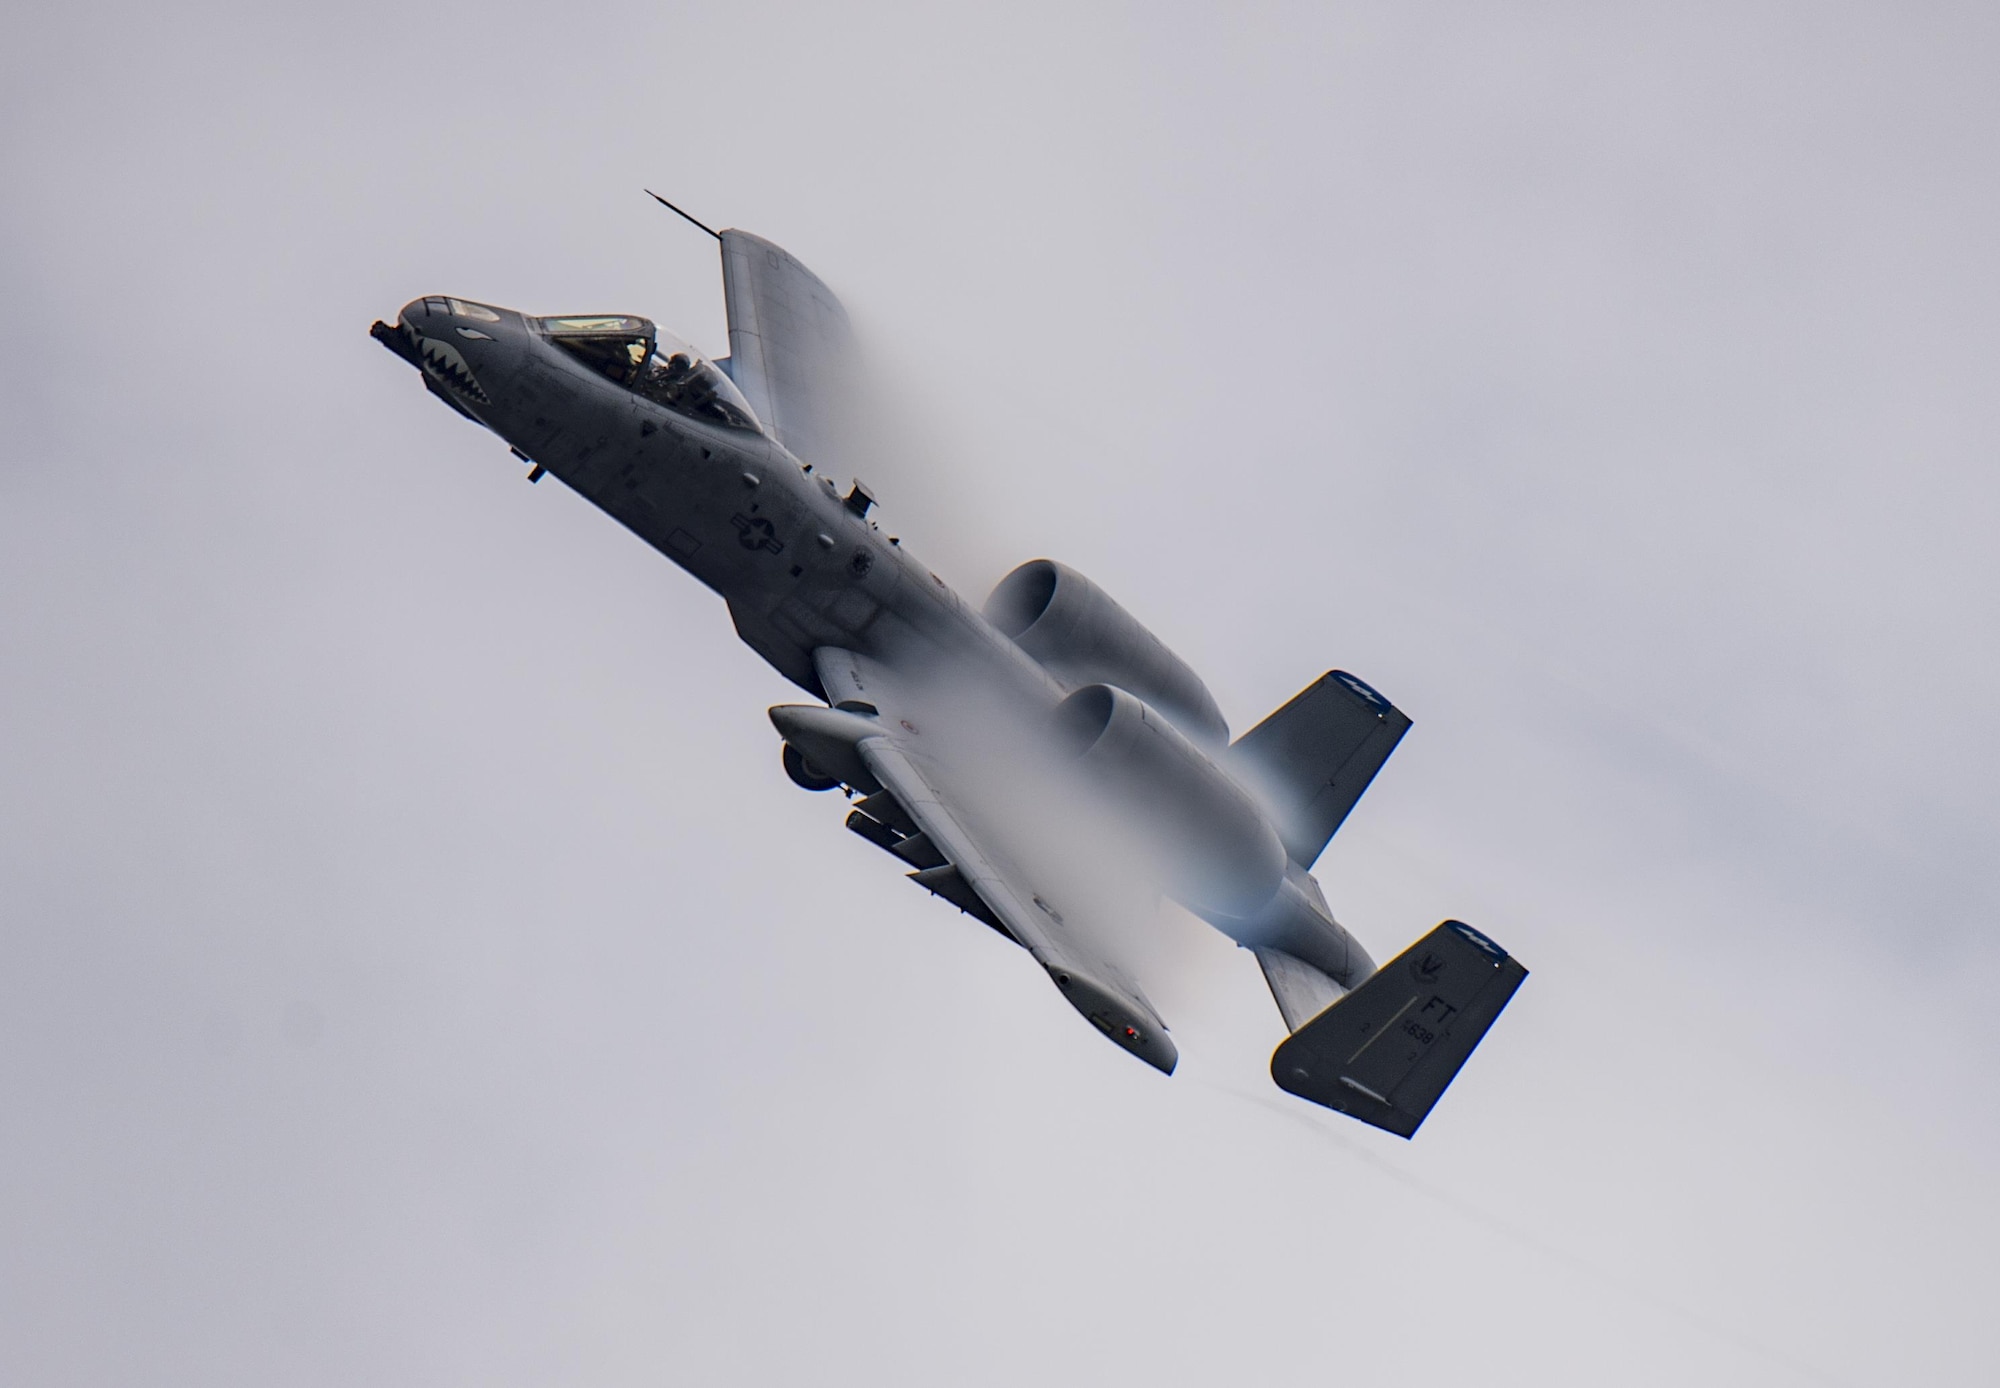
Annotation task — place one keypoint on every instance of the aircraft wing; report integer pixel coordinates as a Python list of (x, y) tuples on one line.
[(791, 350), (956, 813)]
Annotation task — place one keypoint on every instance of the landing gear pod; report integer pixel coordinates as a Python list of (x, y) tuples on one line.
[(804, 774), (824, 741)]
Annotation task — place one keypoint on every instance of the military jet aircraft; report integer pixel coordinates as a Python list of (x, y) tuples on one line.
[(993, 751)]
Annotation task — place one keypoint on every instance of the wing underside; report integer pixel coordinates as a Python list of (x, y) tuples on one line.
[(948, 838)]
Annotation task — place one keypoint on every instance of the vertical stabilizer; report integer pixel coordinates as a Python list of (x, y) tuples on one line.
[(1312, 759), (1386, 1051)]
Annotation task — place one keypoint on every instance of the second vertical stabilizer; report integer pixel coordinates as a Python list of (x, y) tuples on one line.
[(1312, 759)]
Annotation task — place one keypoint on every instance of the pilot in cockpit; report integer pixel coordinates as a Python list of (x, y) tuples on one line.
[(656, 365), (665, 376), (680, 380)]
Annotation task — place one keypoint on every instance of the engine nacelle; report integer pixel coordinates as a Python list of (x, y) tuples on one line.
[(1220, 851), (1079, 635)]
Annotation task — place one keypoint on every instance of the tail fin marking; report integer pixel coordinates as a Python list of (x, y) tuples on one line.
[(1386, 1051)]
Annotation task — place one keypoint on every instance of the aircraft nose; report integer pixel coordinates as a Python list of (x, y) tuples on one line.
[(462, 346), (438, 314), (418, 313)]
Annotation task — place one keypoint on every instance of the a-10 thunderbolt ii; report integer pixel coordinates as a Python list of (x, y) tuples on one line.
[(1042, 762)]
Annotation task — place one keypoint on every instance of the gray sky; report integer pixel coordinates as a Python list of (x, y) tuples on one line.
[(415, 968)]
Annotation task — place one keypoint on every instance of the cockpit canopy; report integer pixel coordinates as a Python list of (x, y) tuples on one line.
[(657, 365)]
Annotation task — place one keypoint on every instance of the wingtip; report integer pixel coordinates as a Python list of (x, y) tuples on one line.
[(1131, 1028), (1156, 1048)]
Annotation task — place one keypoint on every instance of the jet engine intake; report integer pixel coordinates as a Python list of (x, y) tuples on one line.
[(1079, 635), (1220, 852)]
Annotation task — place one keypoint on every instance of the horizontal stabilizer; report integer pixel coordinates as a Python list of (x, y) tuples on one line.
[(1301, 991), (1386, 1051), (1312, 758)]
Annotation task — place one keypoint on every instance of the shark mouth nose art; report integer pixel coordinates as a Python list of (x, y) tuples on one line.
[(443, 363), (421, 336)]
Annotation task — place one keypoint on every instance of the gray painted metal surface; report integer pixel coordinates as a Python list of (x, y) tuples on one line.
[(929, 707), (1386, 1051), (792, 351)]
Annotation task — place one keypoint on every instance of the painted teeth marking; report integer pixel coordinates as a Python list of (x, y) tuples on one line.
[(442, 360)]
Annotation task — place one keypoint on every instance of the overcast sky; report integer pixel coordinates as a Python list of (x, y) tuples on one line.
[(415, 968)]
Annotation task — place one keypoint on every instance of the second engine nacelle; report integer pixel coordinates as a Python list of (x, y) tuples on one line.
[(1221, 853), (1079, 635)]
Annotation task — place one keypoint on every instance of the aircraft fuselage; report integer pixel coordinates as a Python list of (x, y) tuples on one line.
[(799, 566), (1045, 762), (806, 575)]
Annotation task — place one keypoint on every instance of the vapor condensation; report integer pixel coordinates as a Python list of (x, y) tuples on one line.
[(415, 967), (1071, 842)]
